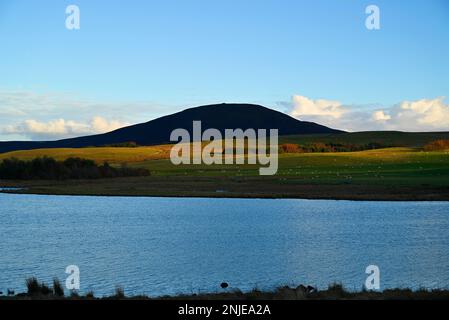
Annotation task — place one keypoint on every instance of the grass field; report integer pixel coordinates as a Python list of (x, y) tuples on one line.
[(385, 174), (392, 173), (405, 166), (130, 155), (110, 154), (386, 138)]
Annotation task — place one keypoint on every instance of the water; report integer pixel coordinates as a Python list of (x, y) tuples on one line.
[(11, 189), (159, 246)]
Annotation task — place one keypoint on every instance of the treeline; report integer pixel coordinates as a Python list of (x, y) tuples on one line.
[(73, 168), (437, 145), (328, 147), (128, 144)]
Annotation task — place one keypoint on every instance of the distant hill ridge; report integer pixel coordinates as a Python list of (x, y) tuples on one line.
[(219, 116)]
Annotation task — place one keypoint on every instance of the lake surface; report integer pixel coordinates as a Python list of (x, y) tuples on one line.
[(161, 246)]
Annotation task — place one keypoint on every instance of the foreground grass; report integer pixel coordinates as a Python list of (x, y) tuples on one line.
[(40, 291)]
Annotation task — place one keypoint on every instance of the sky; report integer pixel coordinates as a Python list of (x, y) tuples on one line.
[(133, 61)]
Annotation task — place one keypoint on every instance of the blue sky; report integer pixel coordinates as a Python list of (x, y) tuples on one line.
[(135, 60)]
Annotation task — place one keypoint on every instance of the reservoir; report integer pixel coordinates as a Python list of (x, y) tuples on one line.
[(159, 246)]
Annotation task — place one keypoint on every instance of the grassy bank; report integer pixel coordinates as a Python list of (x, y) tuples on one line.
[(40, 291), (229, 187)]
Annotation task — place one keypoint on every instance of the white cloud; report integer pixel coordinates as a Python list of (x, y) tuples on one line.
[(100, 125), (60, 128), (380, 115), (23, 104), (419, 115), (49, 112), (428, 113), (303, 106)]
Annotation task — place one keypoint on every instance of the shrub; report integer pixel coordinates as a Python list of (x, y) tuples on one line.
[(289, 148), (327, 147), (37, 289), (32, 286), (58, 290), (72, 168), (437, 145), (119, 293)]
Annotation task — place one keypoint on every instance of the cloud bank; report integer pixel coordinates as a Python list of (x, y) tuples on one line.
[(27, 115), (31, 115), (60, 128), (419, 115)]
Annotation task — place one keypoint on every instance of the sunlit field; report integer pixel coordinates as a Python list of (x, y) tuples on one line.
[(403, 166)]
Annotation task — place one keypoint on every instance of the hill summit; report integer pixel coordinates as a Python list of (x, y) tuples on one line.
[(219, 116)]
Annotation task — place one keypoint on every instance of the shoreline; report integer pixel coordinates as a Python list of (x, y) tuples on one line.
[(301, 292), (233, 187), (359, 198)]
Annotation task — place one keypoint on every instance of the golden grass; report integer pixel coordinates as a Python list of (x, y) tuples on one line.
[(118, 155), (100, 154), (316, 166)]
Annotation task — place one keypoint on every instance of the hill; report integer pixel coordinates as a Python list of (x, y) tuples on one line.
[(219, 116)]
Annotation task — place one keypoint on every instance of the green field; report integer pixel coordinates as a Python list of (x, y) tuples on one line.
[(384, 166), (390, 173)]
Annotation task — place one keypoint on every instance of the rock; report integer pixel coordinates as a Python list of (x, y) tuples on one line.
[(301, 292), (310, 289)]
